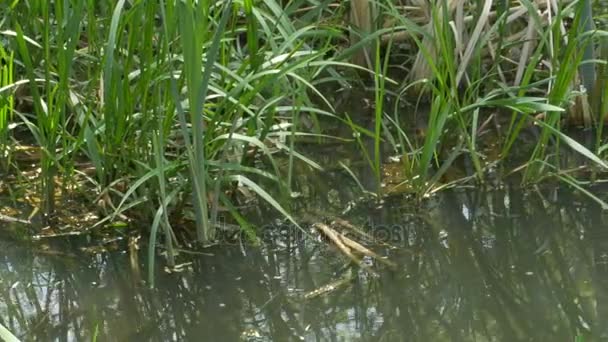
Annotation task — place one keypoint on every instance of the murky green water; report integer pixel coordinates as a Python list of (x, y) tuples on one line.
[(472, 266)]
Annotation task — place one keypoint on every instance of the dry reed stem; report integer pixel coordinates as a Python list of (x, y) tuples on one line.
[(336, 239), (421, 69), (361, 19), (348, 247), (483, 19)]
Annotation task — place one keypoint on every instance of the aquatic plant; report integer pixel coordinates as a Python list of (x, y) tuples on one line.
[(465, 66), (7, 104), (6, 335), (163, 101)]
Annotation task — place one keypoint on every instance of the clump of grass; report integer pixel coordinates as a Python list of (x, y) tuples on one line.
[(464, 68), (168, 109)]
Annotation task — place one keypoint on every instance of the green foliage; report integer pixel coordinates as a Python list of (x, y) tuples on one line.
[(167, 99), (6, 335), (6, 102), (174, 102)]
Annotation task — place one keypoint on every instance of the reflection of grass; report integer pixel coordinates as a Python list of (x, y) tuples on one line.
[(516, 273), (504, 265), (181, 109)]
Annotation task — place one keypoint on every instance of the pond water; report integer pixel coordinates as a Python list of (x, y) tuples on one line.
[(505, 265)]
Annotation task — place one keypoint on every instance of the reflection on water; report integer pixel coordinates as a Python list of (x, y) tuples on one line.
[(498, 266)]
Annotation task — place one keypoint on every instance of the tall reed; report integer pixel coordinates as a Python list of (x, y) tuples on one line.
[(50, 99), (6, 104)]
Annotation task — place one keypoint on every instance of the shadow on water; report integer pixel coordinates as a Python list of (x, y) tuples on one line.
[(505, 265)]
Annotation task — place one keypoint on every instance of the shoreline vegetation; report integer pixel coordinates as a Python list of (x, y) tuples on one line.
[(173, 115)]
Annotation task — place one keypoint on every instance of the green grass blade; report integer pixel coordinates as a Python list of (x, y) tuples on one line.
[(6, 335)]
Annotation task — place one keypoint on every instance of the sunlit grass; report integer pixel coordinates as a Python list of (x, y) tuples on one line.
[(464, 85), (6, 104), (172, 107), (6, 335)]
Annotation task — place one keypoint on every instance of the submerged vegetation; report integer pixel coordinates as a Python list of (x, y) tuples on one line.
[(184, 114), (513, 266)]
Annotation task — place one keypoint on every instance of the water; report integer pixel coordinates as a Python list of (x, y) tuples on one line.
[(505, 265)]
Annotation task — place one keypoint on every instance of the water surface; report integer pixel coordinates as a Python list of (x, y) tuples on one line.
[(506, 265)]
